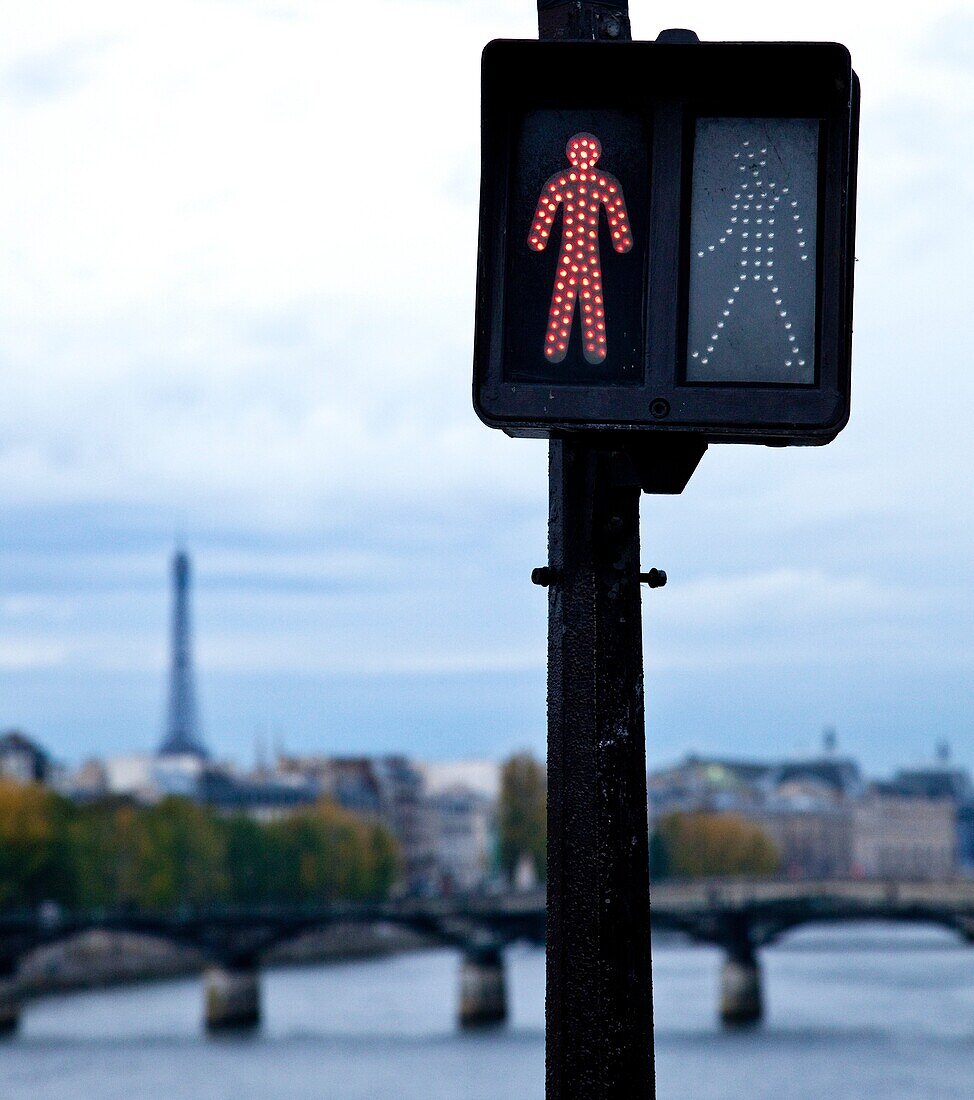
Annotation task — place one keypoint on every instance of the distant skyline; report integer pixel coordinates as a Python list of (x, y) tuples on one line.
[(199, 338)]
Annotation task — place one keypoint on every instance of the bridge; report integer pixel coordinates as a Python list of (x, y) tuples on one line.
[(740, 917), (234, 940)]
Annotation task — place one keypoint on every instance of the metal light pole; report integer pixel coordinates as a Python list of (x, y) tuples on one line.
[(599, 1006)]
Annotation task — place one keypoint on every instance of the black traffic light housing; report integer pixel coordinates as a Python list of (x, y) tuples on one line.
[(696, 201)]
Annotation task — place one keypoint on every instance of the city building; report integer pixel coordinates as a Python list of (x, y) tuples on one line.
[(464, 839), (944, 782), (707, 784), (813, 841), (826, 821), (463, 796), (262, 797), (899, 836), (148, 778), (23, 759), (406, 811)]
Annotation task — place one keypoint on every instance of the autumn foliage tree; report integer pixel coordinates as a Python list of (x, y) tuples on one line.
[(522, 824), (702, 845), (28, 842)]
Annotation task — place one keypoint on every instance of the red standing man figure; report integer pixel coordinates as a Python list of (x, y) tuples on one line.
[(584, 191)]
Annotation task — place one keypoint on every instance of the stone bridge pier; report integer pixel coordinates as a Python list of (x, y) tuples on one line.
[(10, 997), (741, 995), (231, 996), (483, 986)]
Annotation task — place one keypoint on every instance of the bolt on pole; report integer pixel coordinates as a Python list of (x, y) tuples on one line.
[(599, 1010)]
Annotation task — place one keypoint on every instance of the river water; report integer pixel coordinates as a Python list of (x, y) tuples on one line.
[(853, 1013)]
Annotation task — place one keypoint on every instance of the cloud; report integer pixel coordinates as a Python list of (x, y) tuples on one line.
[(237, 257)]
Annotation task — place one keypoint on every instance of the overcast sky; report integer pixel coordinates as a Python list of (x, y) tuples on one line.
[(217, 324)]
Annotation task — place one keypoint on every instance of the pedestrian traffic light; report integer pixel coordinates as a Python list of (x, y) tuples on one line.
[(666, 238)]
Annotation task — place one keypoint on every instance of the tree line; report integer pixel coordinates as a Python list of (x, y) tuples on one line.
[(116, 853)]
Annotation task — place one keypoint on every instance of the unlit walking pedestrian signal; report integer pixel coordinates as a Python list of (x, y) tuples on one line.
[(667, 239)]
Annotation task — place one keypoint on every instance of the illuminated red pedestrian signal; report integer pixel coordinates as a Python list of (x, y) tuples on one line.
[(581, 192), (667, 243)]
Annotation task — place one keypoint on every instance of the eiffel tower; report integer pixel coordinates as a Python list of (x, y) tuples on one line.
[(182, 724)]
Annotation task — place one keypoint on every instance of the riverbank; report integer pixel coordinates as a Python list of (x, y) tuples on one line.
[(99, 959)]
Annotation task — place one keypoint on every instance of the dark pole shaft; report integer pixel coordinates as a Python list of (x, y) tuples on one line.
[(599, 1011), (599, 994)]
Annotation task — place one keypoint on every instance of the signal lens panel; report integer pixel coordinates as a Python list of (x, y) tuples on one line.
[(753, 231)]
